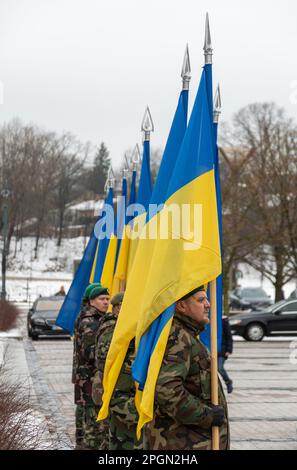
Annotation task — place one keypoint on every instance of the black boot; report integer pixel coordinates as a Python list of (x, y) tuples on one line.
[(229, 386)]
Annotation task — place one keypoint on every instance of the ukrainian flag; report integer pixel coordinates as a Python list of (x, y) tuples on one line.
[(205, 335), (103, 241), (72, 302), (175, 267), (127, 321), (114, 245), (120, 275), (177, 132), (143, 198), (132, 198)]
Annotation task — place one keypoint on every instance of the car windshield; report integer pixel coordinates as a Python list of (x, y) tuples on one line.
[(253, 292), (48, 304), (49, 314)]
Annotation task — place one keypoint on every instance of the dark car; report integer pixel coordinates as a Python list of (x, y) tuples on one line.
[(293, 295), (278, 320), (42, 317), (246, 298)]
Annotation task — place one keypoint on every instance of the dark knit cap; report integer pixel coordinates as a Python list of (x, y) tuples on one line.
[(89, 290), (98, 291), (117, 299), (200, 288)]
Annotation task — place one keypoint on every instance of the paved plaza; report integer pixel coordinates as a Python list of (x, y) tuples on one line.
[(262, 407)]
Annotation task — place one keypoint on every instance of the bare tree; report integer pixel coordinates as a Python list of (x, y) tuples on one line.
[(237, 210), (70, 166), (42, 171), (264, 133)]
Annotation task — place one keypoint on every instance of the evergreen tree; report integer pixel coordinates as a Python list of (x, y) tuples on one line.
[(100, 169)]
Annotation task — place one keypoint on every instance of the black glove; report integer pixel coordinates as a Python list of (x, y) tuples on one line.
[(218, 415)]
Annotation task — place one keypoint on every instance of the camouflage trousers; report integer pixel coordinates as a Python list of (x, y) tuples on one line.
[(122, 433), (79, 420), (94, 433)]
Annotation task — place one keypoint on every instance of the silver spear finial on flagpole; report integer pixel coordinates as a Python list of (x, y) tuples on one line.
[(147, 125), (110, 182), (186, 69), (135, 158), (207, 43), (125, 169), (217, 105)]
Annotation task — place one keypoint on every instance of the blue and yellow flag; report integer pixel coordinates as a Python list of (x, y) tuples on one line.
[(132, 197), (145, 182), (205, 335), (105, 232), (126, 325), (142, 200), (72, 302), (176, 135), (120, 275), (185, 260), (107, 277)]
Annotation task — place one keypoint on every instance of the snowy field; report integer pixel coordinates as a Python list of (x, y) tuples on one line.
[(28, 278)]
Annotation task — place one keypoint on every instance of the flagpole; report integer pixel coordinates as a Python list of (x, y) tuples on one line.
[(122, 285), (208, 52), (214, 359)]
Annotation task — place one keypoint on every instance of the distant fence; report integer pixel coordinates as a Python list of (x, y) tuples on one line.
[(28, 290)]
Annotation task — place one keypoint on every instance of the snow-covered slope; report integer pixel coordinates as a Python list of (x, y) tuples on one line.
[(27, 277)]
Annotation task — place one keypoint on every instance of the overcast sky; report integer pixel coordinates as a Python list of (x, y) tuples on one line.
[(91, 66)]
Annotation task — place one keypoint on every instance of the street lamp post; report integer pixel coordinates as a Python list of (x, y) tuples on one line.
[(5, 194)]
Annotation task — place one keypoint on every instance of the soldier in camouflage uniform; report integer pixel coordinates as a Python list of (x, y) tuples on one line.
[(184, 414), (95, 305), (79, 409), (123, 416)]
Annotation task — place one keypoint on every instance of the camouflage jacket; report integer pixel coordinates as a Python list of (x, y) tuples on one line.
[(183, 415), (86, 327), (124, 388), (122, 403), (102, 343)]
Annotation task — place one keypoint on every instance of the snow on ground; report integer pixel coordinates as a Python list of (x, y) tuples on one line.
[(28, 290), (90, 205), (12, 333), (51, 259), (27, 277)]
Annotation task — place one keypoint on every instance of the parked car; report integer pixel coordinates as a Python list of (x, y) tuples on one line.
[(245, 298), (42, 316), (279, 319), (293, 295)]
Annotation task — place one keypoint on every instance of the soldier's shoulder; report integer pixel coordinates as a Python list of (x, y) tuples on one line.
[(88, 324), (106, 326), (178, 333), (85, 321), (179, 340), (107, 321)]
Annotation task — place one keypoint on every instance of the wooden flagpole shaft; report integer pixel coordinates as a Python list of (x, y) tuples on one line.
[(214, 359), (122, 286)]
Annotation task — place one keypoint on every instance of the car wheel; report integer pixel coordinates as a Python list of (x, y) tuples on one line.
[(34, 336), (254, 332)]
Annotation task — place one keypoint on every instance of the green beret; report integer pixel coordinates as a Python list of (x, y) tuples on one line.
[(200, 288), (117, 298), (89, 289), (96, 291)]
